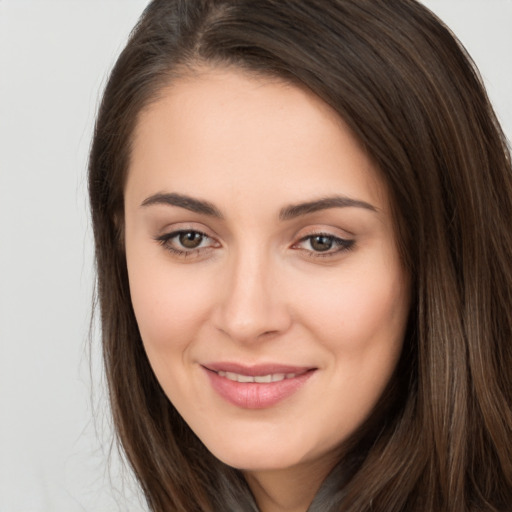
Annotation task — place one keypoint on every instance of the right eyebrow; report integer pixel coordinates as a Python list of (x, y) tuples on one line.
[(183, 201)]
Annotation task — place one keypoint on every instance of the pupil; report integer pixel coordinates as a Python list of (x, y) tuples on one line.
[(191, 239), (321, 243)]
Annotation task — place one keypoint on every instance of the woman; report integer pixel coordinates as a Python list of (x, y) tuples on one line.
[(302, 217)]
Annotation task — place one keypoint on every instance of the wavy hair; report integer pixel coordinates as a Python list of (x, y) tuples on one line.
[(440, 438)]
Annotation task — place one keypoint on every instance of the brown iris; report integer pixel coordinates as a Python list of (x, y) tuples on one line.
[(321, 243), (191, 239)]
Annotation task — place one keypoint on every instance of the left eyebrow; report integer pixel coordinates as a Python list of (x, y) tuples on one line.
[(296, 210)]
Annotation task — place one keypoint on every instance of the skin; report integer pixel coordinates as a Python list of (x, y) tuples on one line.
[(258, 289)]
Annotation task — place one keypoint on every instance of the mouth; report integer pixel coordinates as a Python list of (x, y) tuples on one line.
[(261, 379), (256, 387)]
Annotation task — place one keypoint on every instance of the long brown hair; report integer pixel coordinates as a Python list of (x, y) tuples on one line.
[(441, 436)]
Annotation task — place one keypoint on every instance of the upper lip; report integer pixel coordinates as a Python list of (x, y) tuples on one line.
[(257, 369)]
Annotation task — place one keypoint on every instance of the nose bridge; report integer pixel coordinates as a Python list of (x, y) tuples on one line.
[(252, 305)]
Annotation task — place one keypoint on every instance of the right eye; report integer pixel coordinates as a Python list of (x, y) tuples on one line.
[(186, 242), (190, 239)]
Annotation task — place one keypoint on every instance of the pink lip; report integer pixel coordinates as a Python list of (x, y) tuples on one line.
[(254, 395)]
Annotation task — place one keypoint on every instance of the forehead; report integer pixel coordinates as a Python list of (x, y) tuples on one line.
[(223, 129)]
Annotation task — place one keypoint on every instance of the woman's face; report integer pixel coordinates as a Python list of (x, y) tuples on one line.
[(263, 268)]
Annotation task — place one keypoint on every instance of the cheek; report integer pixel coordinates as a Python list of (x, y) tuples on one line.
[(359, 310), (170, 305), (360, 324)]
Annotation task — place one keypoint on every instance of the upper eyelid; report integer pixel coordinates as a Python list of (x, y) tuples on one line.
[(324, 233), (313, 228), (326, 230), (181, 227)]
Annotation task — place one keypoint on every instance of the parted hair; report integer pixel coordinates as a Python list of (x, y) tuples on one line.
[(440, 437)]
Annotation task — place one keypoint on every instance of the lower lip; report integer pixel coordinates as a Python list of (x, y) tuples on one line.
[(255, 395)]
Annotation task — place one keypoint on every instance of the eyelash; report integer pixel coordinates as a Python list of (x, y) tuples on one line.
[(341, 243), (165, 242)]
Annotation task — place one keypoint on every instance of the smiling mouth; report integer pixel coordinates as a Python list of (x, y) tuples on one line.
[(260, 379), (259, 386), (259, 373)]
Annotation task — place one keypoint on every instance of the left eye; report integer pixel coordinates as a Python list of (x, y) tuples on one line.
[(324, 243)]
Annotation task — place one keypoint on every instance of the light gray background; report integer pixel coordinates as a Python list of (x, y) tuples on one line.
[(54, 57)]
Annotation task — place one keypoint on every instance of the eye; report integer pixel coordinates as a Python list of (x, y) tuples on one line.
[(323, 244), (186, 242), (190, 239)]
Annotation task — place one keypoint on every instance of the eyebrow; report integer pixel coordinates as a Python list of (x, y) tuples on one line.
[(297, 210), (287, 213), (182, 201)]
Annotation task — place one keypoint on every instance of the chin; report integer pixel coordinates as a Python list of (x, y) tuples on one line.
[(243, 456), (269, 456)]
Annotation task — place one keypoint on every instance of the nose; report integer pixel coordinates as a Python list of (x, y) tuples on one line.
[(252, 304)]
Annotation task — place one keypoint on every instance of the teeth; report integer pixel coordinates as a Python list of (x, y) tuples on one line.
[(275, 377), (263, 378), (244, 378)]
